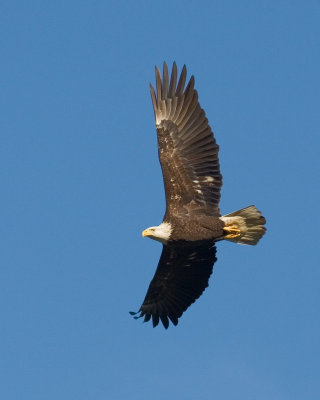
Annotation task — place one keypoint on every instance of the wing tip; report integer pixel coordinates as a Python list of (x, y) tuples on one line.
[(156, 318)]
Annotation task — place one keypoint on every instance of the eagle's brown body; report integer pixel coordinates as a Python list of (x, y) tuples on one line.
[(196, 228)]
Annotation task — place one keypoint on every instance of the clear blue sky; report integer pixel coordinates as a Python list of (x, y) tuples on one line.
[(80, 179)]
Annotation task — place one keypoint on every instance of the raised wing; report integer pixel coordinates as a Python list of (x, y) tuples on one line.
[(188, 151), (181, 277)]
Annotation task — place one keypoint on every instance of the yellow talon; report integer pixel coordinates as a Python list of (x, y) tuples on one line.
[(232, 231)]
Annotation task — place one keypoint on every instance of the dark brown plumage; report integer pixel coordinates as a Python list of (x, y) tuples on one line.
[(188, 152), (182, 275), (192, 222)]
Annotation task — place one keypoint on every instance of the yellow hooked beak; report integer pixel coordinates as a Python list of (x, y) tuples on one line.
[(146, 232)]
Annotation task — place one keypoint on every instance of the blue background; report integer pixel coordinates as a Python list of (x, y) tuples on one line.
[(80, 180)]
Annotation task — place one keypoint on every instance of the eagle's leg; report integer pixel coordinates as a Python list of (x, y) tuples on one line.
[(232, 231)]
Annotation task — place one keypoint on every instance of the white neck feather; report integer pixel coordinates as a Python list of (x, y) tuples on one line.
[(162, 232)]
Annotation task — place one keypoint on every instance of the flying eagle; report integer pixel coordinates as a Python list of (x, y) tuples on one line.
[(192, 223)]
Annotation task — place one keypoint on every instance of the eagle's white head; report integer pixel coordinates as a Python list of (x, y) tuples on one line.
[(160, 233)]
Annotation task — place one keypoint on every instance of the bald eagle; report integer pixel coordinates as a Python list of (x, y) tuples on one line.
[(192, 223)]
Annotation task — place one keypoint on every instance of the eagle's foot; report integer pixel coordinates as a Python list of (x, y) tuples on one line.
[(232, 231)]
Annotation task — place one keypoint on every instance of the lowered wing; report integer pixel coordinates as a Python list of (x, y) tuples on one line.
[(188, 151), (181, 277)]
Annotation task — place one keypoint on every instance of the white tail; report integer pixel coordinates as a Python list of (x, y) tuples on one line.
[(245, 226)]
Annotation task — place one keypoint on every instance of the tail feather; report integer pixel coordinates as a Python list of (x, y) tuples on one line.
[(245, 226)]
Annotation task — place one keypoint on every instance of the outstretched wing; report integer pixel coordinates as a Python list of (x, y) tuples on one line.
[(188, 151), (181, 277)]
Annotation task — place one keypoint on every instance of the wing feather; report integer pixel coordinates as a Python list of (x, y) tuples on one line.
[(188, 151), (165, 81), (173, 81), (181, 277), (182, 81)]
